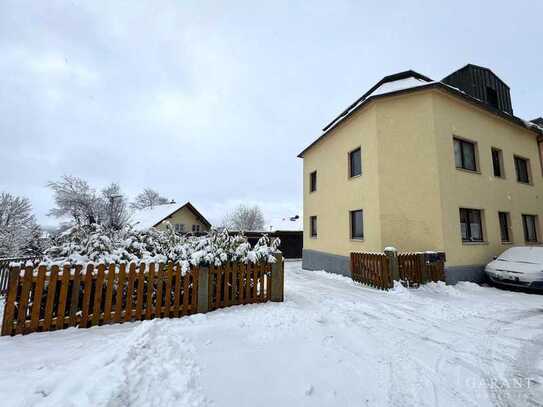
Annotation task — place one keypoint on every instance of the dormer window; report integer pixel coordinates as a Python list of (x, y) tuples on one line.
[(492, 97)]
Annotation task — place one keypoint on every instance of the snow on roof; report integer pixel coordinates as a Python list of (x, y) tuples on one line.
[(396, 85), (294, 223), (143, 219)]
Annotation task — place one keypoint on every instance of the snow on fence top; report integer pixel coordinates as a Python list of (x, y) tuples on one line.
[(96, 244)]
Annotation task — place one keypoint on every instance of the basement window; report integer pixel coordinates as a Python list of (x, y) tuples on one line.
[(471, 225)]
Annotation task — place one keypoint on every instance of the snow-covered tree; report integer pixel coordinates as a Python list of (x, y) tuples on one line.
[(114, 212), (245, 218), (76, 200), (147, 199), (19, 233), (82, 244)]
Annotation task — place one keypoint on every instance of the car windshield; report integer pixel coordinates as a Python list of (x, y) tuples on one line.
[(523, 255)]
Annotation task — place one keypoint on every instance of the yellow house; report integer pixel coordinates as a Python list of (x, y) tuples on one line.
[(184, 218), (425, 165)]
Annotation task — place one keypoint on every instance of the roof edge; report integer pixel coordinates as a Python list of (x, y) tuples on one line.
[(389, 78), (192, 209), (514, 119)]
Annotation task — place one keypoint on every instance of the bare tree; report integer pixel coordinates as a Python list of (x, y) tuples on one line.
[(245, 218), (76, 200), (148, 199), (18, 226)]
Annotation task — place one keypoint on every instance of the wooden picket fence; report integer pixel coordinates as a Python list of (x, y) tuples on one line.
[(4, 269), (412, 269), (371, 269), (239, 284), (42, 299)]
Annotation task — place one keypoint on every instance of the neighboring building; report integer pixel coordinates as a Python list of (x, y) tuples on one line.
[(184, 218), (287, 229), (425, 165)]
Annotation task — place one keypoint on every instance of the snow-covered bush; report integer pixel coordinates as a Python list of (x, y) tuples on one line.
[(95, 243)]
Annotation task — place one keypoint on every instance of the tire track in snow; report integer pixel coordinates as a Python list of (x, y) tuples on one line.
[(503, 391)]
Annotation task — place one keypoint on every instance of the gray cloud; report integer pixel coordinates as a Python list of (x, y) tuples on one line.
[(212, 101)]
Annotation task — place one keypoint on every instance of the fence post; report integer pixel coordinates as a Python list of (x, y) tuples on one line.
[(277, 278), (393, 266), (203, 291)]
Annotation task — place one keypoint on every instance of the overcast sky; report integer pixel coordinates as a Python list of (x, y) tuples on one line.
[(211, 101)]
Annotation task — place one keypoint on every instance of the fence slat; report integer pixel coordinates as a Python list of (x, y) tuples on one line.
[(186, 280), (9, 309), (218, 284), (110, 281), (194, 293), (168, 296), (177, 290), (139, 295), (241, 275), (38, 292), (120, 289), (129, 292), (74, 304), (260, 283), (51, 290), (98, 288), (226, 284), (268, 285), (63, 297), (150, 290), (87, 288), (234, 272), (159, 290), (24, 300)]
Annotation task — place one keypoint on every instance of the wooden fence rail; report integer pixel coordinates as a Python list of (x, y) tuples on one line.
[(379, 270), (43, 299)]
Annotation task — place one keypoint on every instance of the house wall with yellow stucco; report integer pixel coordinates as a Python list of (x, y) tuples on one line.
[(186, 217), (481, 190), (410, 189), (337, 194)]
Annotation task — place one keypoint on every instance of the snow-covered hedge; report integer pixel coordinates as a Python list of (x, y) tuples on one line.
[(94, 243)]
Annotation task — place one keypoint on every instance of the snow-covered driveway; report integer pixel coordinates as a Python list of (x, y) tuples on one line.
[(331, 343)]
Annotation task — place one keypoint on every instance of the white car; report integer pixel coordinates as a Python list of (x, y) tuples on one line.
[(518, 266)]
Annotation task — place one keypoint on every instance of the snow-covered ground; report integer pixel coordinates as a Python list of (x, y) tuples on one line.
[(331, 343)]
